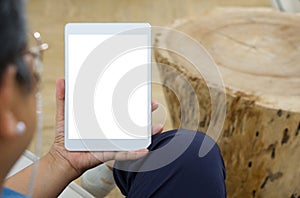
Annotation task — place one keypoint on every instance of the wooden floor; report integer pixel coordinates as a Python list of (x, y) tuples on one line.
[(50, 16)]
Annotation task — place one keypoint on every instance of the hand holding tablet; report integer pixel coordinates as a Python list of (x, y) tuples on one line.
[(108, 86)]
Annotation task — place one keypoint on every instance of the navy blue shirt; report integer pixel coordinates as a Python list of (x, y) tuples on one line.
[(187, 176)]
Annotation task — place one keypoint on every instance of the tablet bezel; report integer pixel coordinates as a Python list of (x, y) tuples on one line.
[(104, 144)]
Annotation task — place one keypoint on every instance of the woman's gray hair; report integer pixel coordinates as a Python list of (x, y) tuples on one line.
[(13, 40)]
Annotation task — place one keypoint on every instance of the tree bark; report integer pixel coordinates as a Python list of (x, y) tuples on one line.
[(257, 51)]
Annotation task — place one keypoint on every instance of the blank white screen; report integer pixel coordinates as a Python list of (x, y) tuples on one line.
[(79, 47)]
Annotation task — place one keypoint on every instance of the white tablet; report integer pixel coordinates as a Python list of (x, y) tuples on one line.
[(108, 86)]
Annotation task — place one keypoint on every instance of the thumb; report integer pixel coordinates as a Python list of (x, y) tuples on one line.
[(60, 99)]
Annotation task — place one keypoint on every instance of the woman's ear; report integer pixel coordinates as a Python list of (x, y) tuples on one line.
[(8, 123)]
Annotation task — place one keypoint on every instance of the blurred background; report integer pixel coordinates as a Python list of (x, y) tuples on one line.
[(50, 16)]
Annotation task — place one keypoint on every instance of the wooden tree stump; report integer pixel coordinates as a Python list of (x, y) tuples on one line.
[(258, 55)]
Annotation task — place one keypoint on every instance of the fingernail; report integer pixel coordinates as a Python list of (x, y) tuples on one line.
[(143, 151), (158, 127), (154, 104)]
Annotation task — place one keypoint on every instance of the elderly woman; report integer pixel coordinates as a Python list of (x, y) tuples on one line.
[(187, 176)]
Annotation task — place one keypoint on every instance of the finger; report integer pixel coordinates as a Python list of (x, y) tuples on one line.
[(110, 164), (154, 105), (131, 155), (105, 156), (156, 129), (60, 99)]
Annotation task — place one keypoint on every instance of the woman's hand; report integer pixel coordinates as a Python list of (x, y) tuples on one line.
[(81, 161)]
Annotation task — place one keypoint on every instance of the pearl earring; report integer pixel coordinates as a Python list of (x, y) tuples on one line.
[(20, 128)]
